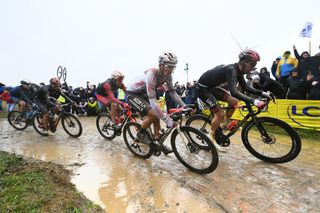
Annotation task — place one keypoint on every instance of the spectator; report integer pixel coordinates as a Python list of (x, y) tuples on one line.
[(284, 67), (92, 107), (264, 71), (313, 88), (268, 84), (274, 67), (297, 87), (188, 93), (193, 93), (301, 57)]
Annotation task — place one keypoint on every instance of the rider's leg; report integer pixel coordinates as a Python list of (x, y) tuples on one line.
[(217, 119), (232, 103), (156, 127), (113, 111), (45, 120)]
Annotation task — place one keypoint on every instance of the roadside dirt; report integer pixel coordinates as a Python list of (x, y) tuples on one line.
[(108, 174)]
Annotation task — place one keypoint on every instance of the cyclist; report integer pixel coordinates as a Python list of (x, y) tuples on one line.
[(209, 91), (141, 95), (107, 92), (45, 103), (20, 95)]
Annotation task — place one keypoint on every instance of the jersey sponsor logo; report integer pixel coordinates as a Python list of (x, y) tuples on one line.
[(210, 102)]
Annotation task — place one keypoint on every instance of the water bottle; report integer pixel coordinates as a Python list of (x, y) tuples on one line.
[(232, 124)]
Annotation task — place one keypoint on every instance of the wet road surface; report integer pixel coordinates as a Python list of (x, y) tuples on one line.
[(108, 174)]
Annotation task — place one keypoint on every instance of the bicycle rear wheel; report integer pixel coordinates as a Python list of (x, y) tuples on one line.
[(104, 126), (141, 150), (202, 123), (71, 125), (16, 121), (191, 154), (271, 140)]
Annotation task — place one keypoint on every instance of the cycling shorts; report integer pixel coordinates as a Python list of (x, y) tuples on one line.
[(139, 102), (211, 96)]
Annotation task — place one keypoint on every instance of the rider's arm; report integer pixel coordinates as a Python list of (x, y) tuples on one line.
[(233, 88), (108, 91), (248, 88), (65, 95), (151, 91)]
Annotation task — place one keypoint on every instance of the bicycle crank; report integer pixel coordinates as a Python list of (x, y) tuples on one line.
[(221, 139)]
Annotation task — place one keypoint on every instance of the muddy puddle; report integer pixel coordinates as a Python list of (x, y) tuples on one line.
[(108, 174)]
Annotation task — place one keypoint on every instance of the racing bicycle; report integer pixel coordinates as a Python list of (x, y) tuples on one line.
[(269, 139), (70, 123), (184, 142)]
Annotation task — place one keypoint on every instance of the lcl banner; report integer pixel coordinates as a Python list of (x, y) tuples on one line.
[(298, 113)]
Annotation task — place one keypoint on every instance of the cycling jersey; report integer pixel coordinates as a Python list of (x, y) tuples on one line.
[(230, 74), (107, 91), (147, 84), (18, 93), (42, 97)]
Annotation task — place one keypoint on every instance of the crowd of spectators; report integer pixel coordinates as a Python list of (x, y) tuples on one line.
[(291, 77)]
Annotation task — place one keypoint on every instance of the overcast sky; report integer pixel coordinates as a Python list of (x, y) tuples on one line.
[(94, 37)]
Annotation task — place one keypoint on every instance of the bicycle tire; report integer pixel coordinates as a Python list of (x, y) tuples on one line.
[(104, 126), (184, 153), (201, 122), (140, 150), (16, 121), (70, 122), (285, 140), (38, 125)]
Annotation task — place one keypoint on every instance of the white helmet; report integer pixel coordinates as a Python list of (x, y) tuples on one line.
[(117, 74), (168, 58)]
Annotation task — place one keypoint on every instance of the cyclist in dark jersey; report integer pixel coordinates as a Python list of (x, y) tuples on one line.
[(210, 92), (19, 96), (45, 103), (107, 92)]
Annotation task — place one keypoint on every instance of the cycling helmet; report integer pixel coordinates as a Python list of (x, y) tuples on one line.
[(168, 58), (249, 55), (117, 74), (55, 82)]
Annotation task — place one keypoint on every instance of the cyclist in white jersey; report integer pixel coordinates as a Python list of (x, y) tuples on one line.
[(141, 95)]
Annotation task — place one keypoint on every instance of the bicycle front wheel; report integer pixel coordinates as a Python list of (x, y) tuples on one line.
[(38, 124), (185, 145), (141, 150), (271, 140), (16, 121), (203, 123), (71, 125), (104, 126)]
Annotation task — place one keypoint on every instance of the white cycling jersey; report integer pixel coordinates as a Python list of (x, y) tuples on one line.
[(149, 82)]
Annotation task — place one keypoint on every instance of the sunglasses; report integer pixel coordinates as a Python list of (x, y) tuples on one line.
[(252, 64), (170, 67)]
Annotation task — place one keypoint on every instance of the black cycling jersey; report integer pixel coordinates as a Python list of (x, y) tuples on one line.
[(44, 92), (230, 74)]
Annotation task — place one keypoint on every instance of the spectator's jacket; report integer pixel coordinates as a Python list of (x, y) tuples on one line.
[(285, 66)]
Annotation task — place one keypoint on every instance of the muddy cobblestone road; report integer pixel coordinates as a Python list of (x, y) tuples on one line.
[(107, 173)]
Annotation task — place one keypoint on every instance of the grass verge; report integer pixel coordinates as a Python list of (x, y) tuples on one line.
[(27, 185)]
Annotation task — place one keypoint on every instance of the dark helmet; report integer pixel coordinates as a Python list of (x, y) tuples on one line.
[(249, 55), (26, 83), (55, 82)]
